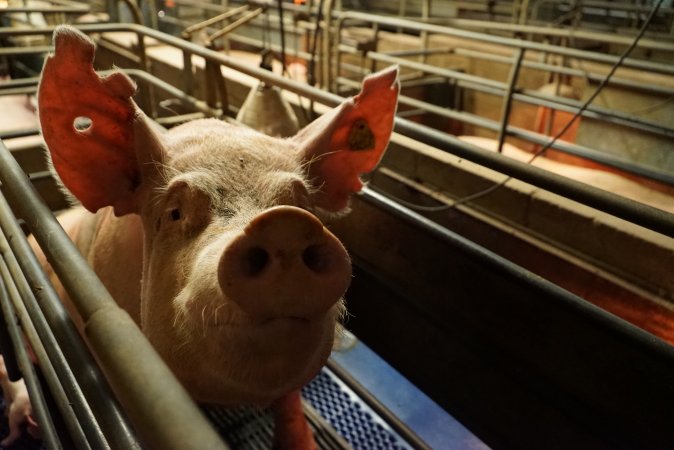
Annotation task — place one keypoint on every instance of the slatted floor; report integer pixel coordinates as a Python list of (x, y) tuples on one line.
[(339, 418)]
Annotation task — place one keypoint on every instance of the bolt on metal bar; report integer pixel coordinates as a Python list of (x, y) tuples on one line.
[(48, 431), (141, 380), (66, 405), (71, 352)]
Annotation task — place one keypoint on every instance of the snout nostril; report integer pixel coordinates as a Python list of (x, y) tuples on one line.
[(317, 258), (254, 261)]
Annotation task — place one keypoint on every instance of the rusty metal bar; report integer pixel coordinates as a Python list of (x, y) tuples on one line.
[(142, 382)]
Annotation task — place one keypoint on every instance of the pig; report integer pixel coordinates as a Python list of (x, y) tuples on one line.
[(211, 235)]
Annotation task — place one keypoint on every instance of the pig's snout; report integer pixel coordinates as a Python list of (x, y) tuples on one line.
[(285, 264)]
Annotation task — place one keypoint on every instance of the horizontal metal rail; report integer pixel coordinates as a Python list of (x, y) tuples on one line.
[(45, 9), (163, 413), (552, 68), (515, 272), (630, 210), (638, 213), (527, 96), (502, 41), (537, 138), (608, 38)]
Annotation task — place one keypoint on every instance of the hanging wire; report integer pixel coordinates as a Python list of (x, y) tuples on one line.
[(564, 129)]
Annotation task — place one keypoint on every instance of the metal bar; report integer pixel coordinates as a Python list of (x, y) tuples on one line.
[(189, 100), (37, 399), (12, 134), (507, 105), (9, 355), (638, 213), (66, 405), (75, 354), (213, 20), (507, 42), (537, 138), (596, 77), (16, 51), (500, 265), (143, 384), (379, 408), (574, 33), (234, 25), (498, 88), (45, 9)]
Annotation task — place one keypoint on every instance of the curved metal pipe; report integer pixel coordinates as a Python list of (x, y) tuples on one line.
[(143, 383)]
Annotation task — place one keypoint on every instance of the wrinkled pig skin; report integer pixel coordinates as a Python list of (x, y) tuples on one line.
[(208, 235)]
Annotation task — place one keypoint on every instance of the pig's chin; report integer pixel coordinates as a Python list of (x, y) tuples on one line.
[(254, 363)]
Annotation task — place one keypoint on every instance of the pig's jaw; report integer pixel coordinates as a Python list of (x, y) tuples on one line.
[(222, 354), (246, 361)]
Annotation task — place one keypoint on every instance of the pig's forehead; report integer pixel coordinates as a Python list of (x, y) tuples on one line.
[(212, 140)]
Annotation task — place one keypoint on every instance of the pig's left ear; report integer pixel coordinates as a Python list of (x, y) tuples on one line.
[(99, 141), (350, 140)]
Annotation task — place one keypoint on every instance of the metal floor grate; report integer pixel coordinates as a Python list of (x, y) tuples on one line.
[(352, 418), (339, 418)]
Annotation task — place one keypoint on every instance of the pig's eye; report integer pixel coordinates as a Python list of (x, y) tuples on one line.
[(175, 214)]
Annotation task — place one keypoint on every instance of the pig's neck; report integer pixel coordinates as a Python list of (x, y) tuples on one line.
[(113, 246)]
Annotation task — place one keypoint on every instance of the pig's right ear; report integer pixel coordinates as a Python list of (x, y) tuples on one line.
[(98, 139)]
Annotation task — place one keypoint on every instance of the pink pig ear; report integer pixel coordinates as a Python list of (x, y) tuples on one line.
[(350, 140), (91, 125)]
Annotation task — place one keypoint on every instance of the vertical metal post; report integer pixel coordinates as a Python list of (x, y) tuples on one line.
[(507, 105), (150, 104)]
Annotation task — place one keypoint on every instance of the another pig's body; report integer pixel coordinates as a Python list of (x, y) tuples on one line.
[(208, 235)]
